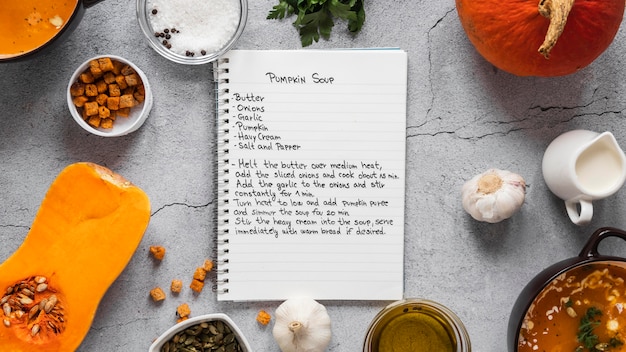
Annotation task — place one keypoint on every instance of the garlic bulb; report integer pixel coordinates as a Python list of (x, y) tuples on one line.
[(494, 195), (302, 325)]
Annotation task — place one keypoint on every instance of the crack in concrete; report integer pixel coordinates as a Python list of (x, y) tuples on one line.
[(183, 205)]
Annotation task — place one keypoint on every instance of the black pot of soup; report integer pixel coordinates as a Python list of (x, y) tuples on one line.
[(29, 27), (576, 305)]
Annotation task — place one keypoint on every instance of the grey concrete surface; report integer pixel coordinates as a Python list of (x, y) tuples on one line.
[(464, 116)]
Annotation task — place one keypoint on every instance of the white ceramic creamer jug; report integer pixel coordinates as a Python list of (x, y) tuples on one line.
[(580, 166)]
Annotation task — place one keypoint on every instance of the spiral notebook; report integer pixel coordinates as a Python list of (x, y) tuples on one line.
[(311, 174)]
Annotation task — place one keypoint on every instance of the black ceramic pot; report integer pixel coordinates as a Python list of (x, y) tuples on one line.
[(72, 23), (588, 255)]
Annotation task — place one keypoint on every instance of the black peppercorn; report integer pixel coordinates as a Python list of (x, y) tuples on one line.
[(203, 52), (157, 34), (154, 11), (167, 36), (169, 46), (166, 30), (165, 42)]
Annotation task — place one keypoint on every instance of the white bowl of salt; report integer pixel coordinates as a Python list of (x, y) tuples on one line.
[(192, 32)]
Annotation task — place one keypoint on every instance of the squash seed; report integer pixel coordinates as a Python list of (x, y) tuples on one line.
[(24, 300), (34, 311), (52, 301), (41, 287), (6, 308), (34, 330), (6, 322)]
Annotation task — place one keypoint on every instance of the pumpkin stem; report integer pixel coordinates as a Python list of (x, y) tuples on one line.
[(556, 11)]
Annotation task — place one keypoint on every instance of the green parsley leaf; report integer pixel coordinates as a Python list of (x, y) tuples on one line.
[(315, 18), (585, 329)]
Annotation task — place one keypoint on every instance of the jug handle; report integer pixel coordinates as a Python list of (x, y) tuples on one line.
[(586, 211), (590, 250)]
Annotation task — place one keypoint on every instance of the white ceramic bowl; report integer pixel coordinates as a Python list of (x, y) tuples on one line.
[(122, 125), (143, 16), (167, 335)]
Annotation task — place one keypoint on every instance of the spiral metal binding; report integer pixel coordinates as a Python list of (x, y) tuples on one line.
[(221, 77)]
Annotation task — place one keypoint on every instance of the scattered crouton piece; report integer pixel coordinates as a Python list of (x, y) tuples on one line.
[(199, 274), (196, 285), (183, 311), (177, 286), (157, 294), (263, 317), (158, 252), (208, 265)]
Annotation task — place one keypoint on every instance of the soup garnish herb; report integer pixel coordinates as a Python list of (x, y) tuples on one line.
[(585, 330)]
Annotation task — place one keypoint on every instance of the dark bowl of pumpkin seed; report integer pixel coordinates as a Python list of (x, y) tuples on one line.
[(210, 332)]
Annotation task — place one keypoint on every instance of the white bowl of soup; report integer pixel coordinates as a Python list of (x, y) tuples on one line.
[(576, 305), (32, 26)]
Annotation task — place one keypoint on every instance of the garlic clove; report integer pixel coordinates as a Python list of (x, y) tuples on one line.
[(493, 195)]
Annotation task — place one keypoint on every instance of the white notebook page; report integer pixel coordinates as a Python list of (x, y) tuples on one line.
[(312, 174)]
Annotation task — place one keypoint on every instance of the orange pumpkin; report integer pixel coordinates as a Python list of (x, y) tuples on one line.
[(549, 38), (85, 232)]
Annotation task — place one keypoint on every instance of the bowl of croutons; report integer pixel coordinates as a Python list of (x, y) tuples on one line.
[(109, 96)]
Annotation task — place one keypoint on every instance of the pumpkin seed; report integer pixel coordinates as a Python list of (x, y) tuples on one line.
[(40, 279), (6, 322), (34, 311), (34, 330), (52, 301), (6, 308), (24, 300), (41, 287)]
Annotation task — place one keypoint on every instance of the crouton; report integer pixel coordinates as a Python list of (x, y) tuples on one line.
[(80, 101), (158, 252), (94, 68), (106, 123), (94, 121), (106, 64), (101, 99), (113, 103), (132, 79), (157, 294), (196, 285), (114, 90), (108, 77), (127, 101), (86, 77), (103, 112), (177, 286), (183, 310), (101, 86), (77, 89), (123, 112), (121, 81), (91, 90), (91, 108), (199, 274)]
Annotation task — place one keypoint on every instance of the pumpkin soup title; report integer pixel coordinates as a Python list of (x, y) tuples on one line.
[(298, 79)]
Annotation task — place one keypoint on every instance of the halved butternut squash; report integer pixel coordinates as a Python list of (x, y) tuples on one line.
[(84, 234)]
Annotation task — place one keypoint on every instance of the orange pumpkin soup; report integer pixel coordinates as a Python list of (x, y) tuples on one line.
[(582, 310), (28, 24)]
